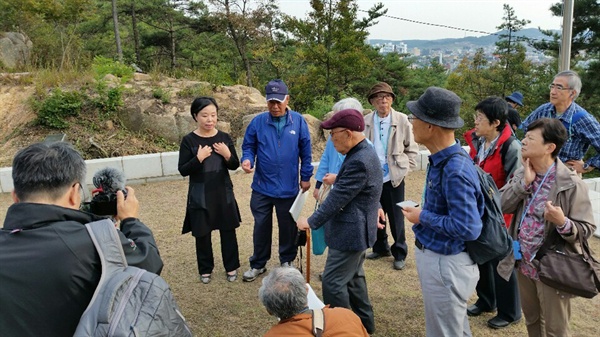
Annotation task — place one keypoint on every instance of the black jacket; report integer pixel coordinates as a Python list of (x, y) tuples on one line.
[(349, 213), (49, 267)]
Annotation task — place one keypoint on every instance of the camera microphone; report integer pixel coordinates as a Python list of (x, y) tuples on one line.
[(108, 181)]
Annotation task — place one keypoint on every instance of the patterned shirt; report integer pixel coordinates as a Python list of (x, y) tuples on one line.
[(583, 133), (531, 232), (452, 203)]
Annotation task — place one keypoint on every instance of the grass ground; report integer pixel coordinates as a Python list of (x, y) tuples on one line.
[(232, 309)]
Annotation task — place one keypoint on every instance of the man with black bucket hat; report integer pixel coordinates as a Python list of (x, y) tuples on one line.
[(349, 215), (450, 215), (391, 135)]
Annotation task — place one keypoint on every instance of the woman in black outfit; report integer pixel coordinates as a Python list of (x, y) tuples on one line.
[(206, 155)]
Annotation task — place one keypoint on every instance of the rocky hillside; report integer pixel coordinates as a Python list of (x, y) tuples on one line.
[(153, 118)]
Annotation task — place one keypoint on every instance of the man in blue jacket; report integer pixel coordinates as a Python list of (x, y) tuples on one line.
[(349, 215), (451, 212), (276, 143)]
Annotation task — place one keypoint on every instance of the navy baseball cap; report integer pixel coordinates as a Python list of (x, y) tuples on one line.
[(276, 90)]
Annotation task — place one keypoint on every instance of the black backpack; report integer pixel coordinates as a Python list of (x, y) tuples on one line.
[(494, 241)]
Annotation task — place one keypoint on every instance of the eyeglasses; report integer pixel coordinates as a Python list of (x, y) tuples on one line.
[(558, 87), (411, 118), (334, 132), (81, 190), (382, 96), (478, 118)]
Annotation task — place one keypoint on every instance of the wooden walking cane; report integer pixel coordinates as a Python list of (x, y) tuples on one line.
[(308, 256)]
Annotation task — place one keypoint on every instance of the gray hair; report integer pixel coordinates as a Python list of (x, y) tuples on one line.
[(347, 103), (283, 292), (573, 80), (46, 169)]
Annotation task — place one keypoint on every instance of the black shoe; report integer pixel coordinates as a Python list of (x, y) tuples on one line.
[(399, 264), (376, 255), (474, 310), (499, 323)]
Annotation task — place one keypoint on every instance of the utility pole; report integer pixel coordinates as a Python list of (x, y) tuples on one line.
[(567, 35)]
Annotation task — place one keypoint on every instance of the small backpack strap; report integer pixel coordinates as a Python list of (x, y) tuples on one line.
[(112, 258), (318, 319), (107, 243)]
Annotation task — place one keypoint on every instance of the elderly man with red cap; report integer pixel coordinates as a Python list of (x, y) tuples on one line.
[(349, 215), (392, 136)]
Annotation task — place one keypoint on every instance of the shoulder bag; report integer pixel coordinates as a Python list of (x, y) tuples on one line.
[(565, 269)]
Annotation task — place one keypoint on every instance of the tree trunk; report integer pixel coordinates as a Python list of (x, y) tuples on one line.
[(117, 35), (172, 37), (136, 34)]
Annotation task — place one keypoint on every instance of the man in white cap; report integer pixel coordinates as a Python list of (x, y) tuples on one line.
[(276, 143)]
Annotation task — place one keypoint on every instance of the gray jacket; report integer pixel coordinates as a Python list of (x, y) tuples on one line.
[(349, 213), (402, 149)]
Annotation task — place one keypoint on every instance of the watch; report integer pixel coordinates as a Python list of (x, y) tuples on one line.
[(586, 166)]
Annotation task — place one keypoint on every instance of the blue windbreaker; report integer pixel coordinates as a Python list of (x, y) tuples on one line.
[(276, 158)]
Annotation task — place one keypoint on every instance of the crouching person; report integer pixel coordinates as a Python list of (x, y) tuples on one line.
[(49, 265), (284, 295)]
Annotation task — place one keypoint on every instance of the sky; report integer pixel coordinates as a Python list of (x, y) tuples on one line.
[(477, 15)]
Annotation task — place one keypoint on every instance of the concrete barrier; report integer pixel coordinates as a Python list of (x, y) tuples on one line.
[(154, 167)]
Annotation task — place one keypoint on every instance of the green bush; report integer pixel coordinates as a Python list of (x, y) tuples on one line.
[(196, 91), (163, 95), (103, 66), (320, 107), (53, 110), (108, 100)]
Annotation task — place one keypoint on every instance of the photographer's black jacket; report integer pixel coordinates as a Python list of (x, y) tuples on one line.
[(49, 267)]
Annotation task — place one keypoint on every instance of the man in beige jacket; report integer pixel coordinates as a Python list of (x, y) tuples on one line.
[(391, 135)]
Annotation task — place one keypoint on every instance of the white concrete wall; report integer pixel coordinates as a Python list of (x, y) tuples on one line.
[(137, 169), (163, 166)]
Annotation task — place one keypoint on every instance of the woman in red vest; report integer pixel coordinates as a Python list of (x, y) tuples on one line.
[(497, 152)]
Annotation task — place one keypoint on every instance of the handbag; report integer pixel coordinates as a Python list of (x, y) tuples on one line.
[(567, 270)]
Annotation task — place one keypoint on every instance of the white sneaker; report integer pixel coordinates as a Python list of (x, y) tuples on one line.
[(252, 273)]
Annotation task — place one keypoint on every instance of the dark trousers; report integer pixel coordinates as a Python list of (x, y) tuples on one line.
[(390, 196), (262, 210), (229, 252), (494, 292), (344, 285)]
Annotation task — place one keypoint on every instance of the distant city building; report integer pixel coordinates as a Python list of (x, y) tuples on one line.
[(402, 48), (398, 48), (386, 48), (451, 53)]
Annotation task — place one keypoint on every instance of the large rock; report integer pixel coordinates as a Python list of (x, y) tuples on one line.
[(169, 115), (15, 49)]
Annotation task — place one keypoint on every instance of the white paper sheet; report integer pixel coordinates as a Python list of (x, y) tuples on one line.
[(298, 204), (313, 300)]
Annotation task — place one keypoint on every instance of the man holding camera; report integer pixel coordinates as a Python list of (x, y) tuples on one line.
[(50, 267)]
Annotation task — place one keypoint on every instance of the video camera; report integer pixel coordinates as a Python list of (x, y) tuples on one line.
[(104, 197)]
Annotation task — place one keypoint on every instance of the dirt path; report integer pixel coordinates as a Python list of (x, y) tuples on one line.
[(14, 114)]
